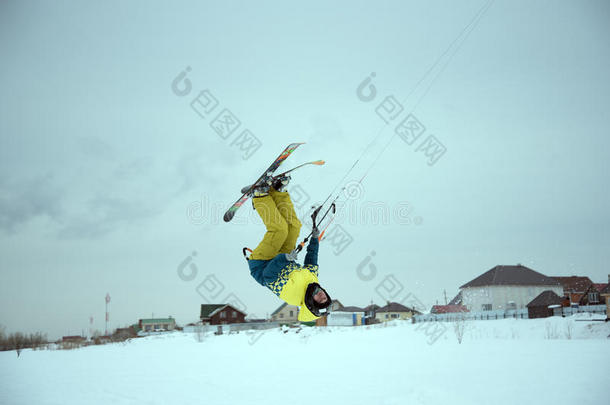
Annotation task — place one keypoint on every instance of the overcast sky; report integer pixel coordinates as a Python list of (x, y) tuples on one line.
[(110, 180)]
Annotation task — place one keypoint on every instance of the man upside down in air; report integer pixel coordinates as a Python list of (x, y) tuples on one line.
[(273, 262)]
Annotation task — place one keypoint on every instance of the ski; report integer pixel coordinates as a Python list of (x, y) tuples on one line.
[(315, 162), (267, 173)]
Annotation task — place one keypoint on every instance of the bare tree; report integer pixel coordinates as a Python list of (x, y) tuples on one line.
[(200, 333), (16, 342), (3, 342), (459, 326), (37, 339), (96, 337), (568, 330), (19, 341), (551, 331)]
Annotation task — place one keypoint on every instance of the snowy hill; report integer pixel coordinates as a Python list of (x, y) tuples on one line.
[(542, 361)]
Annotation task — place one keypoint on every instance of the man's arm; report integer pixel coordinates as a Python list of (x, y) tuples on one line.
[(311, 258)]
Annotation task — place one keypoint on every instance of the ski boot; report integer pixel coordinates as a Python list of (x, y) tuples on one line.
[(261, 190), (280, 183)]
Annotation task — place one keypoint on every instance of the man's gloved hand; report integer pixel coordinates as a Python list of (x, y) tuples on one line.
[(292, 256), (315, 233)]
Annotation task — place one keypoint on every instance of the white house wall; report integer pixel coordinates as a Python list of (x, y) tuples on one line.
[(499, 296), (340, 319)]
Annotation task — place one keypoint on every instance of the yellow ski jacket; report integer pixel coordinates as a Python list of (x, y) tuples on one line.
[(288, 280)]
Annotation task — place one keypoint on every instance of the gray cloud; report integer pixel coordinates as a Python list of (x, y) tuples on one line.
[(104, 215), (23, 200)]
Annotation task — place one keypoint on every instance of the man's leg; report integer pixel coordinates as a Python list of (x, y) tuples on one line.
[(277, 229), (286, 209)]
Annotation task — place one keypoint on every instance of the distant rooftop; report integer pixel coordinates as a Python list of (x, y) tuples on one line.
[(511, 275), (395, 307), (350, 309), (544, 299), (576, 284), (448, 309), (158, 320)]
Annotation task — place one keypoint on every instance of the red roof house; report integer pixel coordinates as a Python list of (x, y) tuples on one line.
[(448, 309)]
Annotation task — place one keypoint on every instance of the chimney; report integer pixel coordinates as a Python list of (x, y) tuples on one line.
[(608, 278)]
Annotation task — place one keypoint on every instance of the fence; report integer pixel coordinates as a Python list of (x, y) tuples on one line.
[(594, 309), (502, 314), (231, 327)]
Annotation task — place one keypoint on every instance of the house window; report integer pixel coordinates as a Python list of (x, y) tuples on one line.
[(291, 313), (386, 316), (147, 328), (395, 316), (281, 315), (223, 314), (511, 305), (486, 307), (593, 297), (234, 314)]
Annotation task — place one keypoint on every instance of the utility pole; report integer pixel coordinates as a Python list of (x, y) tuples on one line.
[(445, 292), (107, 315)]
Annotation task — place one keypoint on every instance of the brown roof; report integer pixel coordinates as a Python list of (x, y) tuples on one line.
[(372, 307), (577, 284), (447, 309), (600, 286), (395, 307), (350, 309), (544, 299), (511, 275), (72, 338), (209, 310)]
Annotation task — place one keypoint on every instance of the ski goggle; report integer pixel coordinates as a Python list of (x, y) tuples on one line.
[(317, 289)]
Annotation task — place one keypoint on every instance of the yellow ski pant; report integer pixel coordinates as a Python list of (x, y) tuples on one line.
[(283, 225)]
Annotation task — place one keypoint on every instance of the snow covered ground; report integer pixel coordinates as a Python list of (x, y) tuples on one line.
[(501, 362)]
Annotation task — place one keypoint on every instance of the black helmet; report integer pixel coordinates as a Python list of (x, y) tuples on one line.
[(316, 308)]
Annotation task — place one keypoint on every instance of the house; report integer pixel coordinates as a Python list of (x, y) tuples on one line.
[(335, 305), (543, 305), (73, 339), (157, 324), (506, 288), (371, 309), (218, 314), (394, 310), (256, 320), (592, 295), (369, 313), (285, 313), (344, 316), (125, 333), (606, 294), (347, 316), (574, 287), (448, 309), (350, 309)]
